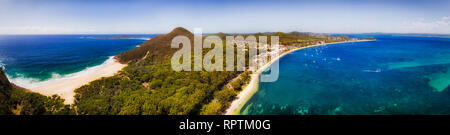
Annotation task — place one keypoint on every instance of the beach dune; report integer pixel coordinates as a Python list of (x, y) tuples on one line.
[(65, 87)]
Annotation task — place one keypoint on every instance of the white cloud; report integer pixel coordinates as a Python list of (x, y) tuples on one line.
[(421, 26)]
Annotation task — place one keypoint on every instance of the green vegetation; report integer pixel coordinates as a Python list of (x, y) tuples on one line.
[(224, 97), (29, 103), (5, 93), (149, 86), (169, 92), (295, 39), (158, 46), (237, 85), (16, 100), (299, 39), (213, 108)]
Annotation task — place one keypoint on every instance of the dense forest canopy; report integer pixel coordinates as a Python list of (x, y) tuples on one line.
[(148, 85)]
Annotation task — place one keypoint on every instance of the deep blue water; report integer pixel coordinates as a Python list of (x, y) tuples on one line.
[(396, 74), (29, 59)]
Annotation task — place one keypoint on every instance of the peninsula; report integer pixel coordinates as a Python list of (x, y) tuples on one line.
[(141, 82)]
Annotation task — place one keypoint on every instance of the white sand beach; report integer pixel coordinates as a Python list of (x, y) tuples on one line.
[(252, 87), (65, 87)]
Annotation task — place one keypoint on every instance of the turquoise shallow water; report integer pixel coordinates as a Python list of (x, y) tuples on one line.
[(393, 75)]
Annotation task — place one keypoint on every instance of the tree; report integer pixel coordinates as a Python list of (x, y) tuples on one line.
[(156, 84), (212, 108), (237, 84), (225, 95)]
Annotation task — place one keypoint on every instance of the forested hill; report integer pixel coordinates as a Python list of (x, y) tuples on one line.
[(5, 93), (158, 46), (149, 86)]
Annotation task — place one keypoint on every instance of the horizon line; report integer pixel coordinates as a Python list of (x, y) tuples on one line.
[(225, 33)]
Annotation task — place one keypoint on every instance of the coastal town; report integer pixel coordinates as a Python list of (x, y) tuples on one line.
[(266, 58)]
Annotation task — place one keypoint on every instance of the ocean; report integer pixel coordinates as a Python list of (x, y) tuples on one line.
[(396, 74), (34, 60)]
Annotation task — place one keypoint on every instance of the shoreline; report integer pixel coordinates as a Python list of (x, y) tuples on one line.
[(65, 87), (242, 98)]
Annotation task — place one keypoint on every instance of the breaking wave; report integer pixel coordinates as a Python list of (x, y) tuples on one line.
[(29, 83)]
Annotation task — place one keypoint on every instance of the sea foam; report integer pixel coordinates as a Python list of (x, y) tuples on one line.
[(2, 66), (31, 83)]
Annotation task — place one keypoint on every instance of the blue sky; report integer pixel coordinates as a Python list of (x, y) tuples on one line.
[(232, 16)]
